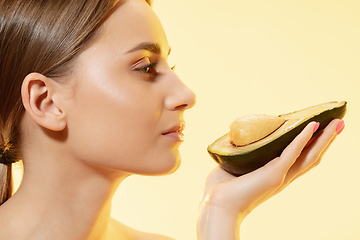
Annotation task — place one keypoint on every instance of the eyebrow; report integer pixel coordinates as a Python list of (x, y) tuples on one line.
[(151, 47)]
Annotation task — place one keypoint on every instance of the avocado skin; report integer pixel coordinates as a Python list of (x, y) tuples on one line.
[(246, 162)]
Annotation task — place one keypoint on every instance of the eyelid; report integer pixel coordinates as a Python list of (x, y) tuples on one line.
[(141, 61), (148, 70), (150, 65)]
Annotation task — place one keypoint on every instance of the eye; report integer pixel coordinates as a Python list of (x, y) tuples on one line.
[(148, 69)]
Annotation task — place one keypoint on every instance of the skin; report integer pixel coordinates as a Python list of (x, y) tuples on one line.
[(227, 200), (108, 119), (113, 116)]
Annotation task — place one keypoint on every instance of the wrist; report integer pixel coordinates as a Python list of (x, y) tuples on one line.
[(218, 222)]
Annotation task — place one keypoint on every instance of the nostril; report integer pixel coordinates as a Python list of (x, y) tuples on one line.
[(191, 100), (182, 107)]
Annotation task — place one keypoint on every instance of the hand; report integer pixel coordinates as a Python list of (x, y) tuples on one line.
[(227, 199)]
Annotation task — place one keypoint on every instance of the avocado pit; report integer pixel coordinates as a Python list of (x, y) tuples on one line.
[(252, 128)]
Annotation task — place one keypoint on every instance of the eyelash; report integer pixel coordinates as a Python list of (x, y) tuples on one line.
[(147, 69)]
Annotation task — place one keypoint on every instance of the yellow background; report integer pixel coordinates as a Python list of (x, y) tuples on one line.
[(242, 57)]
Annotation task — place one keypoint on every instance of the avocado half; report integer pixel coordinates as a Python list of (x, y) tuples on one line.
[(242, 160)]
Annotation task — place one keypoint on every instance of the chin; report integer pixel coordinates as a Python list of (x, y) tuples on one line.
[(176, 161), (174, 168), (171, 164)]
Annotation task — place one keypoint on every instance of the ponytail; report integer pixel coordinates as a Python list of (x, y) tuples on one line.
[(6, 182)]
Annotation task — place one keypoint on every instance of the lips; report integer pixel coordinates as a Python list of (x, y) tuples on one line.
[(176, 132)]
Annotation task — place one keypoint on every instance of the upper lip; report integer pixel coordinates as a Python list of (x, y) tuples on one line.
[(176, 128)]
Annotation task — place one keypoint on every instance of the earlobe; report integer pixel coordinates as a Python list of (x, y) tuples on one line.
[(37, 93)]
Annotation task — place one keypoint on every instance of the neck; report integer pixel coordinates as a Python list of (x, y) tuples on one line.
[(69, 197)]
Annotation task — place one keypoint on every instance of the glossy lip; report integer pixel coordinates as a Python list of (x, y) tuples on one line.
[(176, 132)]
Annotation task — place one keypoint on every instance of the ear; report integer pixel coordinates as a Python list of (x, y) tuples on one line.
[(38, 93)]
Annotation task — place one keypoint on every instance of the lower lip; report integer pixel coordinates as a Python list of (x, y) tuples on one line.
[(176, 136)]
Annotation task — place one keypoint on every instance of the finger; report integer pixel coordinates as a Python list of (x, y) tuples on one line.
[(313, 165), (271, 177), (300, 166), (312, 155), (294, 149)]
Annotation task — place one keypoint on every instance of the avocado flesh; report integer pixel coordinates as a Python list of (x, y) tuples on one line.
[(242, 160)]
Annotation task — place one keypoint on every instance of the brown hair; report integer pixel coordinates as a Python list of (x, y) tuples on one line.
[(42, 36)]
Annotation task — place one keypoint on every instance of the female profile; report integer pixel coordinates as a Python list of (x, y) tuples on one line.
[(87, 98)]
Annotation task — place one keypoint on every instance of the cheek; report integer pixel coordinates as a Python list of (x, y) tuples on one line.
[(118, 126)]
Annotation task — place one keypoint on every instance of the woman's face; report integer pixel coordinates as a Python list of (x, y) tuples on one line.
[(126, 108)]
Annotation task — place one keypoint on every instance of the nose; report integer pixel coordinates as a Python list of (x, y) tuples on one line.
[(179, 96)]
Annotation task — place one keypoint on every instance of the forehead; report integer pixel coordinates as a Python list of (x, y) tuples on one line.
[(132, 23)]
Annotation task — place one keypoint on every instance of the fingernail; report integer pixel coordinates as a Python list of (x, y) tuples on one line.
[(316, 127), (340, 127)]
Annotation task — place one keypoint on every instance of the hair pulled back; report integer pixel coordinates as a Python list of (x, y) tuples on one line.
[(42, 36)]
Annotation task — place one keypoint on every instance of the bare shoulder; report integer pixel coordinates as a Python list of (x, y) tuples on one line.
[(129, 233)]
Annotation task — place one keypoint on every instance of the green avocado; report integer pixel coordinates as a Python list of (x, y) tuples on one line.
[(244, 159)]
